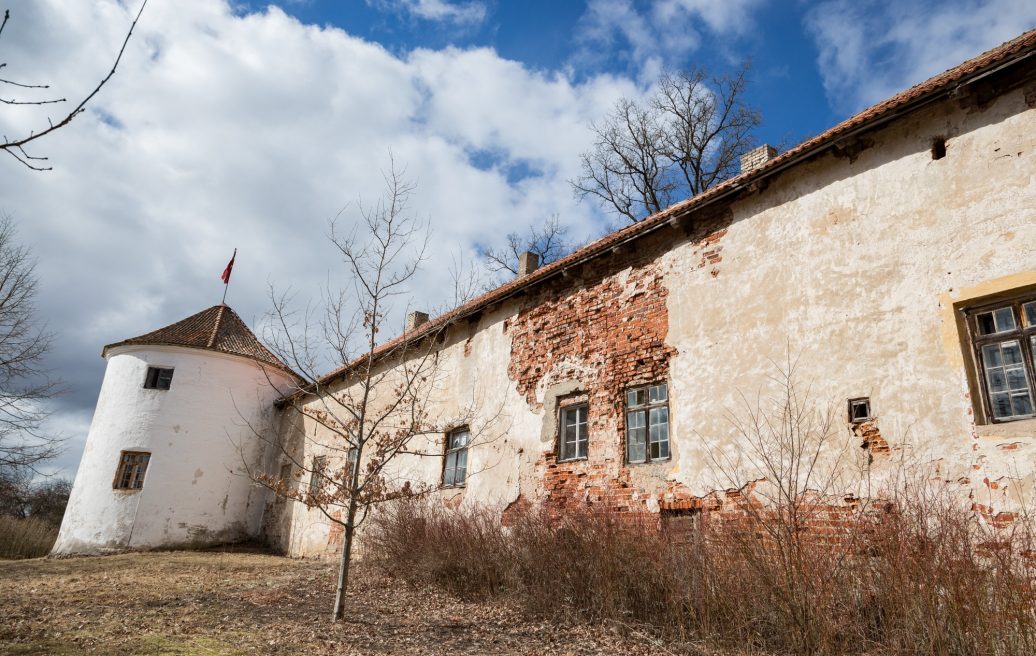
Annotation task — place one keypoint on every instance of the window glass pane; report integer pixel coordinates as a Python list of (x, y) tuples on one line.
[(1022, 404), (462, 466), (657, 393), (1029, 309), (1012, 352), (631, 398), (1016, 378), (1001, 405), (636, 437), (1004, 318), (997, 380), (991, 356)]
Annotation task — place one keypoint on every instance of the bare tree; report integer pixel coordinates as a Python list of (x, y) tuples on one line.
[(24, 341), (685, 139), (15, 146), (375, 411), (549, 241)]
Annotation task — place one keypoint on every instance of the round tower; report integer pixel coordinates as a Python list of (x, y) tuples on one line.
[(173, 437)]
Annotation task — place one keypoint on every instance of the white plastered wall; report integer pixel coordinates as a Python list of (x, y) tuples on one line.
[(195, 490)]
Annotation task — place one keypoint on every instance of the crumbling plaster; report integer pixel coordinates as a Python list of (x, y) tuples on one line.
[(849, 266)]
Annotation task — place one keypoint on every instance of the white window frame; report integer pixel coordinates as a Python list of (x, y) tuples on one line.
[(579, 446), (643, 404)]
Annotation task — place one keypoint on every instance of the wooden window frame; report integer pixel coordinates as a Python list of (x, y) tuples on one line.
[(856, 402), (318, 479), (132, 471), (158, 378), (646, 409), (450, 450), (574, 406), (1023, 333)]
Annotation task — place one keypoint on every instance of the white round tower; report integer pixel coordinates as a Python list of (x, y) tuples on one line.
[(173, 437)]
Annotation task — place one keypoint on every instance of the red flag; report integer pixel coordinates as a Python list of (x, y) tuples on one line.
[(230, 267)]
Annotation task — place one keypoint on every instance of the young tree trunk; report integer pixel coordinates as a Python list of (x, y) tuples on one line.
[(343, 567)]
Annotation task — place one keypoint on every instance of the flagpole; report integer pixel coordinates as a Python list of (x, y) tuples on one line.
[(226, 277)]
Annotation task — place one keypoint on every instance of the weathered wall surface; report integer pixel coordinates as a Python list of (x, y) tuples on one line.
[(195, 492), (852, 265)]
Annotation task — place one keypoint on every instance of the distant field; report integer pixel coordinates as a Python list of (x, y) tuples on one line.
[(245, 603)]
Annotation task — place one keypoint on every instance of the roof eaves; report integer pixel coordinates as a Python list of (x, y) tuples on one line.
[(911, 99)]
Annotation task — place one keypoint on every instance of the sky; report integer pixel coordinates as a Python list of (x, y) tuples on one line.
[(250, 125)]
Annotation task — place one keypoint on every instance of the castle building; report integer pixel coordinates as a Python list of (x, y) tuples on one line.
[(891, 258), (173, 439)]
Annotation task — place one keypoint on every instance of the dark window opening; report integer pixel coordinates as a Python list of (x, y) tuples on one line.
[(132, 467), (859, 410), (455, 465), (158, 378), (938, 148)]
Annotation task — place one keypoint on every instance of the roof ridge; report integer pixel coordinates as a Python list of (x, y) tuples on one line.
[(216, 325)]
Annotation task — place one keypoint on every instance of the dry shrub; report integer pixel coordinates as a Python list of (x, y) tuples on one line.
[(26, 538), (785, 563), (927, 578), (465, 553)]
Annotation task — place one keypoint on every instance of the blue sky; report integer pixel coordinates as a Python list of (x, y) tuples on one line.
[(245, 125), (552, 36)]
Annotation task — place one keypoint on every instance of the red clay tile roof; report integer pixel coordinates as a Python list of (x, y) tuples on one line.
[(1022, 46), (218, 328)]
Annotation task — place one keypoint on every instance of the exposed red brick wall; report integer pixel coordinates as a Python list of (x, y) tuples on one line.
[(607, 331)]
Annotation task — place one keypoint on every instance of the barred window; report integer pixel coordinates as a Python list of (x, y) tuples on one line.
[(132, 467), (1003, 337), (647, 423), (158, 378), (455, 465)]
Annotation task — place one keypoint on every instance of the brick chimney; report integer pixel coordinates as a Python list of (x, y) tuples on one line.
[(753, 159), (414, 320), (527, 263)]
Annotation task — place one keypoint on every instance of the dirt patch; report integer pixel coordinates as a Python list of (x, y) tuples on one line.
[(245, 603)]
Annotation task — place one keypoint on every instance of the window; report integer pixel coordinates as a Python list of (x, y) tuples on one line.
[(158, 378), (317, 475), (859, 410), (455, 468), (573, 438), (132, 466), (647, 423), (1003, 337)]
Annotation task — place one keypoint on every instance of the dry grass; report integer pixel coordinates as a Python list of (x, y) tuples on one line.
[(927, 579), (247, 603), (26, 538)]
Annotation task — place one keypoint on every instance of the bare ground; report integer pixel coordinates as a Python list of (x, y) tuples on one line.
[(245, 603)]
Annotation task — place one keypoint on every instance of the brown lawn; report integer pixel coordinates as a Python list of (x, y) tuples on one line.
[(246, 603)]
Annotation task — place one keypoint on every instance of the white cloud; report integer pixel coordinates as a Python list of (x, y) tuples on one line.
[(869, 50), (222, 130), (458, 13), (660, 34)]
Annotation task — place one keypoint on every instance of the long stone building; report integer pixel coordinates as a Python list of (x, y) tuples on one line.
[(891, 258)]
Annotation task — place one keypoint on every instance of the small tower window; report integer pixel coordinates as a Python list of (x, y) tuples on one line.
[(859, 410), (132, 467), (158, 378)]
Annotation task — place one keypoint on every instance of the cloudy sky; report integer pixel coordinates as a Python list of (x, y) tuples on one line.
[(249, 125)]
